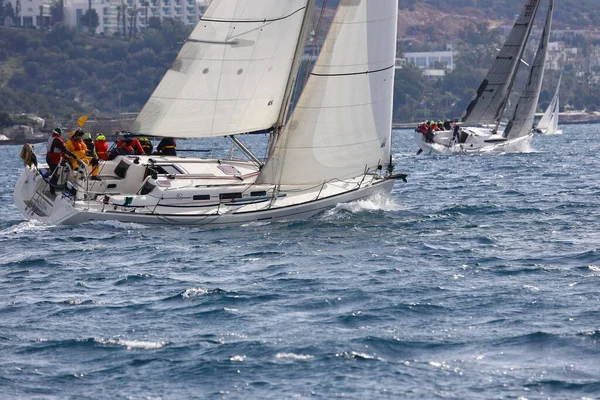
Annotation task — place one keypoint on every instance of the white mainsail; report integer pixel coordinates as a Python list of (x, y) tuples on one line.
[(342, 123), (524, 115), (492, 95), (549, 121), (231, 73)]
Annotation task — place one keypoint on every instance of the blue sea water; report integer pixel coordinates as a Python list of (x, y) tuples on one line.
[(477, 279)]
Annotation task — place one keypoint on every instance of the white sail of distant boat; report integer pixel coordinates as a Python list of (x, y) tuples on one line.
[(481, 130), (235, 75), (548, 124)]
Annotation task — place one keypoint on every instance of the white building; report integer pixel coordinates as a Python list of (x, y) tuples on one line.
[(30, 13), (36, 13), (435, 64), (137, 13)]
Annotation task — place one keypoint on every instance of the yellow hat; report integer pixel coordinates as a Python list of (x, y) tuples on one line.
[(100, 137)]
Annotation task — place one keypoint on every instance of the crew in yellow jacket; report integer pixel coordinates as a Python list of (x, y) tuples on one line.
[(76, 146)]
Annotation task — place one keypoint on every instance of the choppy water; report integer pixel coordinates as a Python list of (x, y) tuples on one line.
[(478, 279)]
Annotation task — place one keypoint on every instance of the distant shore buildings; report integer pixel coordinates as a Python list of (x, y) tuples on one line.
[(113, 15)]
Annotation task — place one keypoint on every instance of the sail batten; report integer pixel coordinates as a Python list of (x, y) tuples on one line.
[(231, 73)]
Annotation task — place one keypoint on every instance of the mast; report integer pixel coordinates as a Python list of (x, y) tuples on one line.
[(293, 76), (513, 76), (523, 118)]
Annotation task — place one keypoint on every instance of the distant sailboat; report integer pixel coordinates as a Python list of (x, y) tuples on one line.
[(548, 124), (480, 129), (235, 75)]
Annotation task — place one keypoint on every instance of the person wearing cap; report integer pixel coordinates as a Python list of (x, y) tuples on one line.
[(101, 147), (89, 143), (146, 145), (55, 149), (76, 145)]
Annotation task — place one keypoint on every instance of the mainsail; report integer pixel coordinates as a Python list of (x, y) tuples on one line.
[(549, 121), (492, 95), (524, 115), (231, 73), (341, 124)]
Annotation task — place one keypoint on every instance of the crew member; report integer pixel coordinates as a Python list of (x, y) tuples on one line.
[(167, 147)]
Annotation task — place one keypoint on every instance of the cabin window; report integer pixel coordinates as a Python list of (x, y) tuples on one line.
[(167, 169), (111, 186), (260, 193), (230, 196), (201, 197)]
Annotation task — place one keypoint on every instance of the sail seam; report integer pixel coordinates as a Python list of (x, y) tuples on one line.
[(253, 21), (355, 73)]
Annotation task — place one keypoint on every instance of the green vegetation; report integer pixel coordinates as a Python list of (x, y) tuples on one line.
[(62, 73)]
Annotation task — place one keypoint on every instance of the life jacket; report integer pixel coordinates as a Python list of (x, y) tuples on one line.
[(137, 146), (53, 152), (76, 147), (102, 149), (89, 144), (146, 146)]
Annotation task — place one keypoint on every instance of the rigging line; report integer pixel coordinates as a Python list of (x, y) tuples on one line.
[(264, 21), (355, 73)]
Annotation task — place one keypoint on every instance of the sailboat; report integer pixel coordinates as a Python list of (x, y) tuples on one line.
[(480, 130), (548, 124), (234, 76)]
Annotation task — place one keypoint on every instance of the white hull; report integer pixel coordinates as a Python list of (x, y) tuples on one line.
[(207, 192), (475, 141), (546, 132)]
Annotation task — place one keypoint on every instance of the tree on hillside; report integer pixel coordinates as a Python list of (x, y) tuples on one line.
[(57, 12), (90, 20)]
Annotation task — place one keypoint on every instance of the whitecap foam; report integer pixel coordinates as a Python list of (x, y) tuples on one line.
[(378, 202), (237, 358), (193, 292), (26, 226), (294, 356), (120, 225), (132, 344)]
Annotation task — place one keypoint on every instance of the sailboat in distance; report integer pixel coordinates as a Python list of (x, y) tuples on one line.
[(548, 124), (235, 75), (480, 130)]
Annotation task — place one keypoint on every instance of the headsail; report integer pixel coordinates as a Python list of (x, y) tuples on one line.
[(492, 95), (524, 115), (549, 121), (231, 73), (341, 125)]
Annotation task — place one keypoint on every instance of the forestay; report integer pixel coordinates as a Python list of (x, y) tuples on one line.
[(524, 115), (341, 125), (492, 95), (230, 74)]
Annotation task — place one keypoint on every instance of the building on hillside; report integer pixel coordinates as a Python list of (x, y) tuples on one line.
[(113, 14), (37, 13), (435, 64), (559, 55), (29, 13)]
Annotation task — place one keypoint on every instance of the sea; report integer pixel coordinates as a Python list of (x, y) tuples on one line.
[(478, 278)]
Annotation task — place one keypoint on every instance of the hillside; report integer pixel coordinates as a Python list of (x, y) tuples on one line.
[(61, 73)]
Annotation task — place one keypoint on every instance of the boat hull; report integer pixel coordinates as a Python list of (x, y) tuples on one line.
[(476, 141), (34, 202)]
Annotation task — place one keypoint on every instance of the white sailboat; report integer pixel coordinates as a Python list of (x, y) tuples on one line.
[(234, 75), (480, 130), (548, 124)]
